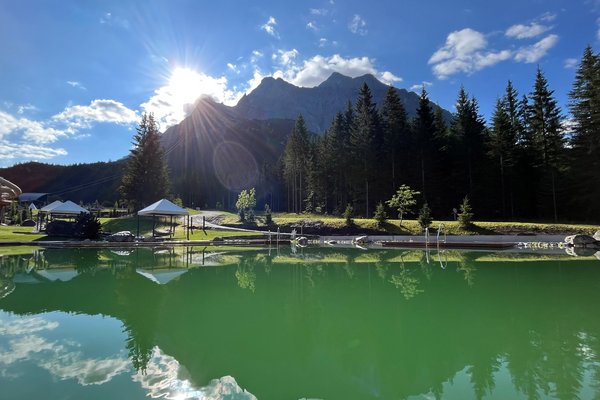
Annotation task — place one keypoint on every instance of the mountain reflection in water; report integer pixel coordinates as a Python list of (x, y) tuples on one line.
[(322, 323)]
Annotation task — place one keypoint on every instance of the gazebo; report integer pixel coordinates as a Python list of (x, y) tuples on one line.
[(163, 208), (67, 209)]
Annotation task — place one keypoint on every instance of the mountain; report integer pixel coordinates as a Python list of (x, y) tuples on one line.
[(276, 98), (214, 152), (218, 150), (78, 182)]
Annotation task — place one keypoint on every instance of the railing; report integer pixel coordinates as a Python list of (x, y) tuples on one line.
[(441, 228)]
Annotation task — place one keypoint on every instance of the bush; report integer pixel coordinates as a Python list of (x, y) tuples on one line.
[(60, 228), (86, 226), (348, 214), (268, 216), (380, 215), (245, 204), (424, 218), (465, 217)]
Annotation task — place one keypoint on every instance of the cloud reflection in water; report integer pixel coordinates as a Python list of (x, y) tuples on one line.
[(164, 378)]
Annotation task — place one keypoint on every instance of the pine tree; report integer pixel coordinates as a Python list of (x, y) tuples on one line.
[(584, 105), (295, 164), (544, 124), (396, 134), (365, 142), (501, 145), (467, 129), (424, 141), (146, 178)]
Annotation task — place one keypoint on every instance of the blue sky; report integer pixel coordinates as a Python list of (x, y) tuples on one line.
[(76, 75)]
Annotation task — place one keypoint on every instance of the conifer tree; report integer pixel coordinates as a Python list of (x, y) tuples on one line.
[(501, 145), (467, 130), (395, 134), (295, 164), (544, 125), (365, 140), (424, 141), (146, 178), (584, 105)]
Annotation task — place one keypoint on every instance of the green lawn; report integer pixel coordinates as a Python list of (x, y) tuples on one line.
[(19, 233), (130, 224), (411, 227)]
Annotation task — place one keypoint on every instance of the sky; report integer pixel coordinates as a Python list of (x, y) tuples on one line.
[(75, 76)]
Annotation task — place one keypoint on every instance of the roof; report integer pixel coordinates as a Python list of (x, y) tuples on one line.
[(163, 276), (54, 275), (51, 206), (68, 207), (163, 207), (31, 196)]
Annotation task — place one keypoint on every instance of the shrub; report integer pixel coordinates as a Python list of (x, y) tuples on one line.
[(348, 214), (86, 226), (465, 217), (380, 215), (268, 216), (424, 218), (245, 204)]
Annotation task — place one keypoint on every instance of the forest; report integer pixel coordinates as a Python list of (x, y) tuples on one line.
[(529, 162)]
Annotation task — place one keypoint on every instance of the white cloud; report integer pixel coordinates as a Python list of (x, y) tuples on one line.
[(284, 57), (255, 56), (312, 25), (256, 79), (113, 20), (322, 42), (76, 84), (269, 27), (23, 108), (318, 11), (419, 86), (571, 63), (101, 110), (532, 30), (315, 70), (531, 54), (34, 131), (233, 68), (548, 17), (358, 25), (464, 51)]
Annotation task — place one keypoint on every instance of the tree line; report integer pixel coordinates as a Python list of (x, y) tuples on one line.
[(527, 163)]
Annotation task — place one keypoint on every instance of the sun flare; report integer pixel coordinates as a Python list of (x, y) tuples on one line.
[(186, 85)]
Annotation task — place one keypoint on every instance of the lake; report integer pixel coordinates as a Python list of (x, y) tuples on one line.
[(311, 324)]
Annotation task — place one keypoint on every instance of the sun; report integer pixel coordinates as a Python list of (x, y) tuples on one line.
[(186, 85)]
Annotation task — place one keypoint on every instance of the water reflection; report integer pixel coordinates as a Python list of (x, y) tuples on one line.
[(325, 324)]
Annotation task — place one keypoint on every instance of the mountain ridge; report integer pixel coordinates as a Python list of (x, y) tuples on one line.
[(276, 98)]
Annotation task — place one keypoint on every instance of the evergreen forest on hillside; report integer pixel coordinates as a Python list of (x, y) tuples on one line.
[(527, 163)]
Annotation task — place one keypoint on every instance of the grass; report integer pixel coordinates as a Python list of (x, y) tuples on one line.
[(19, 234), (130, 224), (411, 227)]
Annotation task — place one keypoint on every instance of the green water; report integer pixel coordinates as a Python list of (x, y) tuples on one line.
[(320, 324)]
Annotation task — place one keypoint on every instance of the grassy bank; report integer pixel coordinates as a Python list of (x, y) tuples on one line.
[(330, 225)]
